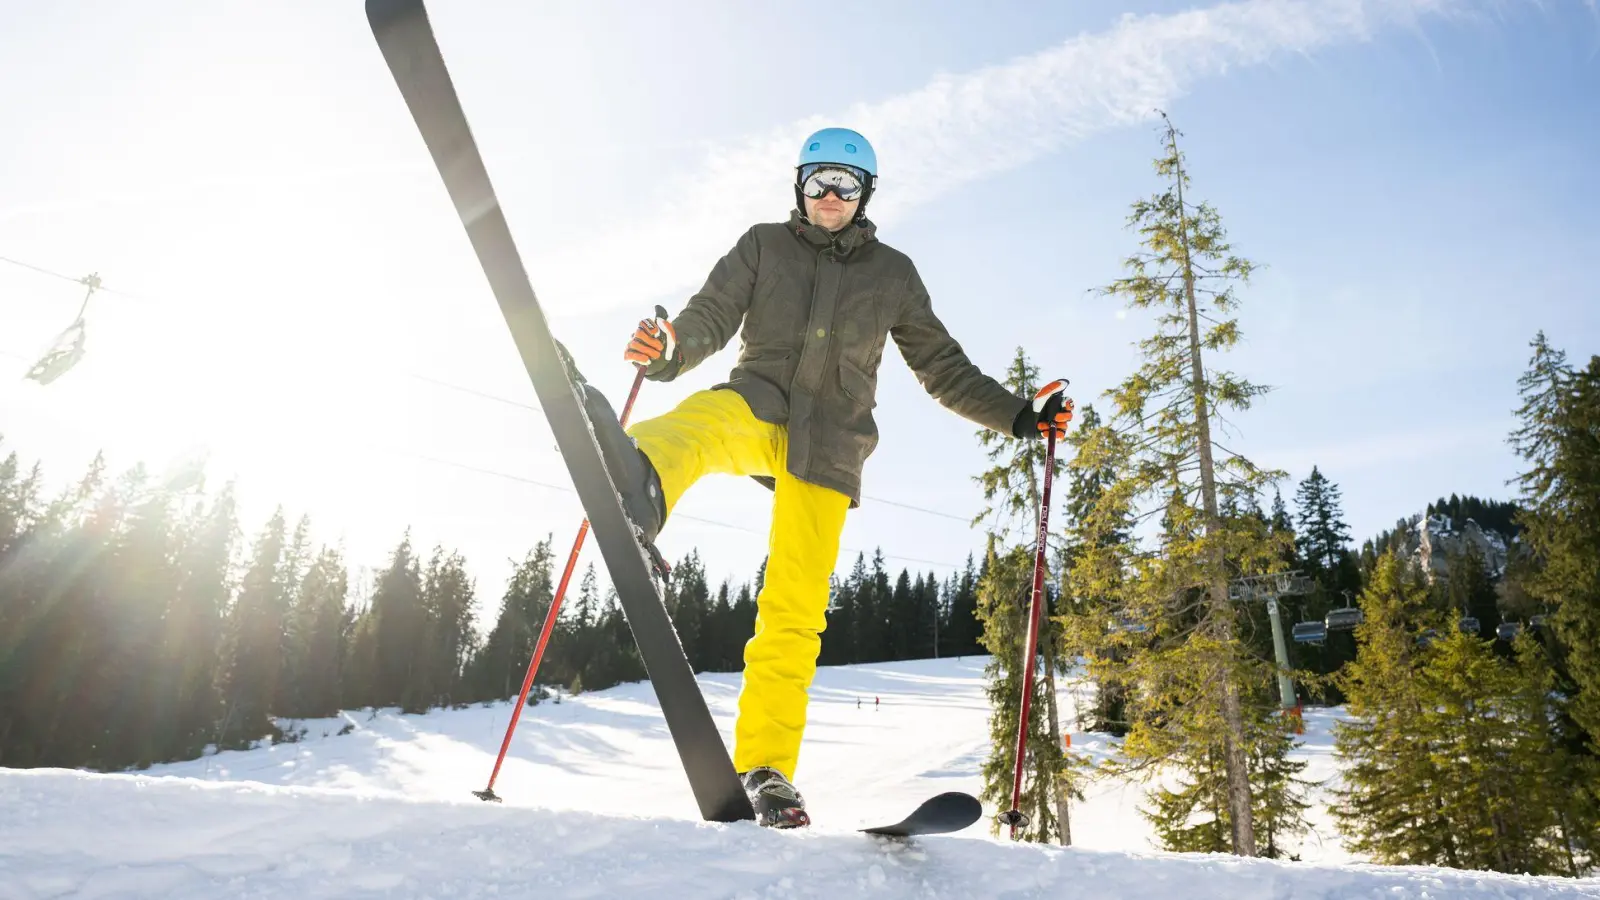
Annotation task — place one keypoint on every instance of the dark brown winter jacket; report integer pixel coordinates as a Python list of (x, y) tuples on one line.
[(815, 309)]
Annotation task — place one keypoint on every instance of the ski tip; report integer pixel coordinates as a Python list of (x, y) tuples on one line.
[(939, 814)]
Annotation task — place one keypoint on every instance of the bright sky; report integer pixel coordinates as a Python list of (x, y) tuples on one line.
[(1415, 174)]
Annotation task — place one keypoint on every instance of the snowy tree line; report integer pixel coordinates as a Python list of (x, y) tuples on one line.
[(1466, 748), (137, 627)]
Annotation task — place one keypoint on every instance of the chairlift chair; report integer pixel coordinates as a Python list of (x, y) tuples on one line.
[(1468, 625), (1508, 631), (1129, 625), (1310, 632), (67, 349), (61, 357), (1537, 621), (1345, 619), (1427, 636)]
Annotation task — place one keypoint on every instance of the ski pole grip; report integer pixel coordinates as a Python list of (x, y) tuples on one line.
[(667, 332)]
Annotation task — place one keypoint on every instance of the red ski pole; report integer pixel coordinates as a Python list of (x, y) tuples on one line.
[(550, 620), (1015, 817)]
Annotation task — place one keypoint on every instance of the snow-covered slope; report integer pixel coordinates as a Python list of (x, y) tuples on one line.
[(597, 806), (73, 835)]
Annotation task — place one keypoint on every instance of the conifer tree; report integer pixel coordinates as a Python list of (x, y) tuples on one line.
[(194, 621), (841, 639), (135, 712), (959, 635), (254, 657), (722, 641), (585, 624), (1088, 611), (448, 638), (1196, 817), (400, 621), (688, 602), (1389, 807), (1559, 420), (321, 624), (1184, 645), (903, 613), (1490, 750), (874, 628), (501, 665), (1011, 490), (1322, 533)]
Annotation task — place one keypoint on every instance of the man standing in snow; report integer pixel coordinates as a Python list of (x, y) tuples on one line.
[(813, 301)]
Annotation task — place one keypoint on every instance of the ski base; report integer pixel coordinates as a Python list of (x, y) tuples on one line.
[(409, 48), (941, 814)]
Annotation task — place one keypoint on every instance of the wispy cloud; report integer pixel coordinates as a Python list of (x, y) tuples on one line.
[(960, 128)]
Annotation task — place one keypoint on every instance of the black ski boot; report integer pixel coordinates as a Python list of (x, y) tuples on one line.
[(777, 803), (630, 469)]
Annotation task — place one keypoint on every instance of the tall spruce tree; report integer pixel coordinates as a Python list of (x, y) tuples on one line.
[(321, 625), (195, 617), (1489, 732), (1185, 645), (1088, 612), (499, 668), (585, 626), (448, 639), (253, 661), (1322, 533), (689, 603), (1389, 807), (1559, 439), (1012, 491), (841, 639), (400, 621)]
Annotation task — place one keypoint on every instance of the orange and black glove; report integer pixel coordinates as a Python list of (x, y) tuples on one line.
[(1051, 408), (654, 345)]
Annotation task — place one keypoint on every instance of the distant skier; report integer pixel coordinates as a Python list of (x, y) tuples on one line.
[(813, 301)]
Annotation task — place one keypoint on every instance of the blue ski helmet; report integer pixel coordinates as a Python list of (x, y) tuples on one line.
[(839, 145), (845, 147)]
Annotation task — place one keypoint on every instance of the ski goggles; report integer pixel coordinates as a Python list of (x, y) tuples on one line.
[(847, 182)]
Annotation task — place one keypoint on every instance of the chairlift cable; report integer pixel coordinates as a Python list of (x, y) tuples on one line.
[(94, 283)]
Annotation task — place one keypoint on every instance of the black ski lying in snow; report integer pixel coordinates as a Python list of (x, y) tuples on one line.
[(950, 811), (406, 38), (409, 47)]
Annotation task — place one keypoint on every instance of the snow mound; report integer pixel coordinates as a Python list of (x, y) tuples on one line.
[(85, 835)]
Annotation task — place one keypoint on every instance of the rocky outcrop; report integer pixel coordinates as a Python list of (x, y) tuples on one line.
[(1431, 541)]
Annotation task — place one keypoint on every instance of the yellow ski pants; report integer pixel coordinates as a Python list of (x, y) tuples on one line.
[(714, 432)]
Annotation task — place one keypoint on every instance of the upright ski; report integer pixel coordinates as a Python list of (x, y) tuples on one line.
[(406, 38)]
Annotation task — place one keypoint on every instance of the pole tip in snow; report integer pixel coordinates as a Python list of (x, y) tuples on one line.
[(1016, 818), (487, 794)]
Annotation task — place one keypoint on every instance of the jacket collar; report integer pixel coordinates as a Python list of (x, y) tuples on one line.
[(847, 240)]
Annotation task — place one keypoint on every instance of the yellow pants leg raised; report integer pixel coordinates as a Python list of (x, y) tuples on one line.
[(714, 432)]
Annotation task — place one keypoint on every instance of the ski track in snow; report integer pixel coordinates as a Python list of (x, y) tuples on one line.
[(596, 806)]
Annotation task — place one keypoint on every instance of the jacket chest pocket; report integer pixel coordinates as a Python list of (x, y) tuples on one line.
[(861, 323), (781, 308)]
